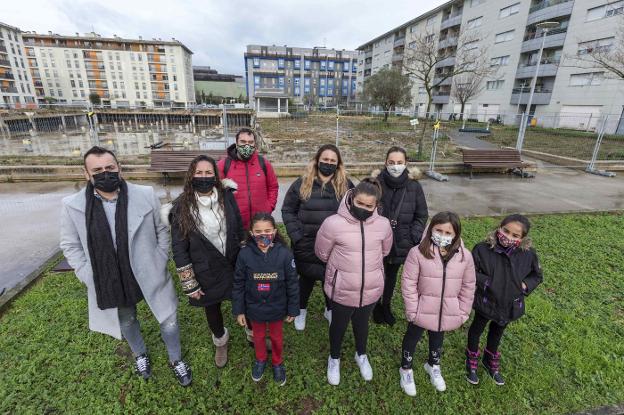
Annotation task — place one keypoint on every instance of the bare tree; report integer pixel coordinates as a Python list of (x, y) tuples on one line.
[(470, 84)]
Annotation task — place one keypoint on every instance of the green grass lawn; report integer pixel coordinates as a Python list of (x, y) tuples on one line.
[(565, 355)]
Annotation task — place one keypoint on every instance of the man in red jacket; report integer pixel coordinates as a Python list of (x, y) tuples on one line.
[(256, 180)]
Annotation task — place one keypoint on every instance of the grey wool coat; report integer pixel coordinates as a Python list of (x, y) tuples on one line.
[(148, 249)]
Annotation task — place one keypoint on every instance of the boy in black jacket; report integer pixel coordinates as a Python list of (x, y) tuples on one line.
[(508, 270), (266, 290)]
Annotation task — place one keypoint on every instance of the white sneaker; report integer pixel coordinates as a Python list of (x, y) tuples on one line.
[(435, 375), (407, 381), (301, 319), (328, 315), (365, 368), (333, 371)]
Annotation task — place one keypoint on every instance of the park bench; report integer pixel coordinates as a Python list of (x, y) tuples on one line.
[(503, 158), (177, 161)]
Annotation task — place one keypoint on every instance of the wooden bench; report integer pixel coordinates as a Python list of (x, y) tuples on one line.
[(503, 158), (176, 161)]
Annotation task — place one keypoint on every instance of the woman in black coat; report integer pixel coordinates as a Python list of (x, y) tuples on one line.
[(309, 201), (206, 232), (403, 203)]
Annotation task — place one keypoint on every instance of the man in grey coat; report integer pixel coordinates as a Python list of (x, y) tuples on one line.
[(111, 234)]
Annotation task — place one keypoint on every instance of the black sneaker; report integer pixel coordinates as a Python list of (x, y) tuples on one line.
[(143, 367), (378, 314), (257, 370), (182, 372), (279, 374)]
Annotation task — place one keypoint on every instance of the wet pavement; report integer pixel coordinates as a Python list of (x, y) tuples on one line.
[(29, 212)]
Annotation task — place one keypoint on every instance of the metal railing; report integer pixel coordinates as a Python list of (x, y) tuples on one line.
[(546, 3)]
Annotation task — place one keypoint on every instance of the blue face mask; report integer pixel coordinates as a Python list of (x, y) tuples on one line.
[(264, 239)]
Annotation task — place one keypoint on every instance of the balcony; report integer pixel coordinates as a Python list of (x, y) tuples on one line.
[(399, 42), (549, 10), (451, 21), (7, 75), (438, 81), (3, 49), (4, 62), (555, 38), (450, 61), (397, 57), (368, 54), (447, 42), (441, 98), (547, 68), (8, 89), (540, 97)]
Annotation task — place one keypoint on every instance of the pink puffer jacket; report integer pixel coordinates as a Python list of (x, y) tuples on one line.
[(354, 252), (434, 299)]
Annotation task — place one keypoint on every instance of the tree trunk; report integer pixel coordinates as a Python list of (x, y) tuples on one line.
[(424, 129), (463, 106)]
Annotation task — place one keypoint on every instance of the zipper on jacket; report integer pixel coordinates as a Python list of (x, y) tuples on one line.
[(442, 296), (334, 285), (363, 262), (248, 189)]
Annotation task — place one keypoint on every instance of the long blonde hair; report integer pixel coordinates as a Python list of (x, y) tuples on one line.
[(339, 180)]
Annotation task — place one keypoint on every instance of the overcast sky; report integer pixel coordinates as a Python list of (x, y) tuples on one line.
[(218, 31)]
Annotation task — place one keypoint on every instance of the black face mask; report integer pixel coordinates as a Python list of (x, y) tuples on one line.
[(107, 181), (327, 169), (203, 184), (360, 213)]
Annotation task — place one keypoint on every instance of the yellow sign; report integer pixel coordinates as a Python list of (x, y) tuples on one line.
[(436, 126)]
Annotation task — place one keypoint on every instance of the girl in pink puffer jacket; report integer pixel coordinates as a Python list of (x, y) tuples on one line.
[(438, 285), (353, 242)]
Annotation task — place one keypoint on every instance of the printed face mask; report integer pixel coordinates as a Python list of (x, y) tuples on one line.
[(107, 181), (396, 170), (440, 240), (507, 242), (264, 239), (245, 151)]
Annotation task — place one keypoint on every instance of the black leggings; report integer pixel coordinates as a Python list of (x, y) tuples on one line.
[(411, 339), (494, 337), (215, 319), (391, 271), (306, 285), (341, 315)]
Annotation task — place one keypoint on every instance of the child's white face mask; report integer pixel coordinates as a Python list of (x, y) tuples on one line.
[(440, 240)]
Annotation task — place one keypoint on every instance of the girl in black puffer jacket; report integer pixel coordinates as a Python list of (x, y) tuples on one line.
[(309, 201), (508, 270), (403, 203)]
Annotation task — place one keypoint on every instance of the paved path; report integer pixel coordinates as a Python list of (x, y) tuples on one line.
[(29, 212)]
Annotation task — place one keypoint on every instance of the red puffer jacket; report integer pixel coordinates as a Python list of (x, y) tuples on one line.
[(256, 192)]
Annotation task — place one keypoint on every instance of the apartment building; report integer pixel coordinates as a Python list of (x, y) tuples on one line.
[(508, 35), (16, 87), (311, 76), (122, 72)]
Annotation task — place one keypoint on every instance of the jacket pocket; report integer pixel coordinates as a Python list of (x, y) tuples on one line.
[(333, 285), (517, 308)]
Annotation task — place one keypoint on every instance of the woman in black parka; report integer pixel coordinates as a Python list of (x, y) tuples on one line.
[(206, 232), (403, 203), (309, 201)]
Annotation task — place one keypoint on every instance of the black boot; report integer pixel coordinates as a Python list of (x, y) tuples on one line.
[(387, 313), (491, 361), (378, 314)]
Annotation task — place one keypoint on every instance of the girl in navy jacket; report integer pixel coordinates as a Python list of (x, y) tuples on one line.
[(266, 290)]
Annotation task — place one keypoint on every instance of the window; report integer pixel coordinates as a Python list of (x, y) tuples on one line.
[(306, 65), (492, 85), (471, 45), (345, 67), (330, 87), (297, 64), (323, 65), (598, 45), (422, 90), (504, 37), (256, 81), (510, 10), (256, 62), (73, 83), (280, 82), (306, 85), (476, 22), (500, 61), (330, 65), (280, 63), (431, 21), (429, 38), (586, 79), (68, 62), (607, 10)]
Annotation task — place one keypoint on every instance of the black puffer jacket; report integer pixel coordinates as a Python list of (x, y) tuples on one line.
[(266, 287), (499, 295), (303, 218), (213, 271), (412, 218)]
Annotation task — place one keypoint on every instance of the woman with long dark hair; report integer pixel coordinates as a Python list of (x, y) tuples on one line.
[(206, 232), (310, 200)]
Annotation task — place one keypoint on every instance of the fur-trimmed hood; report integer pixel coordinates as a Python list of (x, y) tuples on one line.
[(165, 210), (414, 173), (525, 245)]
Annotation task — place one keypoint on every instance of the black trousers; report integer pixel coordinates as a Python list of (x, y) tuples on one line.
[(341, 315), (495, 333), (412, 337), (391, 271), (215, 319), (306, 285)]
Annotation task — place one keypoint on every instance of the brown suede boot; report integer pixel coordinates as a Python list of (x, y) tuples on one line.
[(221, 350)]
